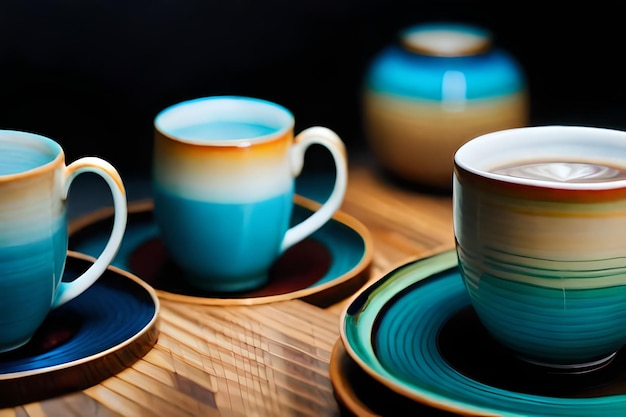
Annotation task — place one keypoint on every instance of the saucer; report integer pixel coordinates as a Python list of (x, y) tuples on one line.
[(90, 338), (328, 266), (415, 332), (360, 395)]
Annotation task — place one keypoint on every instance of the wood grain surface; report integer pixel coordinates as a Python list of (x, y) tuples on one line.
[(269, 359)]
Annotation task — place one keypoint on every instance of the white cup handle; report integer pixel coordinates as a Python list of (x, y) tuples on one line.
[(70, 290), (330, 140)]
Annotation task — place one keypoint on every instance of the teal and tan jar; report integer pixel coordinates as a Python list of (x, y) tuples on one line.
[(440, 86)]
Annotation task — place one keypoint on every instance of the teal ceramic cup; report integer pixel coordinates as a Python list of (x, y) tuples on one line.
[(539, 221), (224, 170), (34, 184)]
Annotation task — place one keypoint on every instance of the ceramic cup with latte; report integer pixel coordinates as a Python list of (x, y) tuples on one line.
[(540, 229)]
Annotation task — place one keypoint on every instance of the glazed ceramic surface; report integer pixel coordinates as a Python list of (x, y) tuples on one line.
[(363, 396), (414, 331), (539, 219), (34, 182), (440, 86), (326, 267), (224, 170), (88, 339)]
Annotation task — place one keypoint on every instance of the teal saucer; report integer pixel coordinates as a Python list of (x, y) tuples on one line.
[(330, 265), (414, 332)]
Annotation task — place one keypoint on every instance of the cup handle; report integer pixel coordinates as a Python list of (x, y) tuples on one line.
[(70, 290), (330, 140)]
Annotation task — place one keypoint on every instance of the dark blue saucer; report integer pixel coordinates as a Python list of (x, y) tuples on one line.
[(92, 337)]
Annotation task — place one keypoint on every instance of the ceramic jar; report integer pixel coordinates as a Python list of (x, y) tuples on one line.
[(439, 86)]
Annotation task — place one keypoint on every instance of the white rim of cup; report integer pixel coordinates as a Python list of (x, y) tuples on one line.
[(43, 144), (205, 109), (474, 156)]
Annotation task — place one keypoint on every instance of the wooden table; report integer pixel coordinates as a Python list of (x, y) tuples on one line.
[(263, 360)]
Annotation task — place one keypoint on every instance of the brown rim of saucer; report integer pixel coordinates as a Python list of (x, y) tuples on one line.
[(320, 295), (361, 395), (344, 391)]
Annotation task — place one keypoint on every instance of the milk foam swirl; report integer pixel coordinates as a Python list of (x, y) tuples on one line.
[(563, 172)]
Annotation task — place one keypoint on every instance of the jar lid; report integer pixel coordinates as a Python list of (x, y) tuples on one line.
[(446, 39)]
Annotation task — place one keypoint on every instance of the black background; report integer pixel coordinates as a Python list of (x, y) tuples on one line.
[(93, 74)]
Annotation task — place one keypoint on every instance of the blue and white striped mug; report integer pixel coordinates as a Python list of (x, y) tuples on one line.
[(224, 178), (539, 222), (34, 184)]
